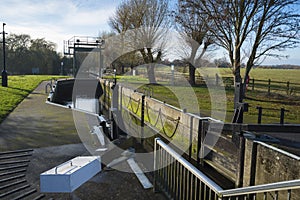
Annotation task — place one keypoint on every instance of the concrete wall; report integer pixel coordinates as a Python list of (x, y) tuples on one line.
[(267, 164)]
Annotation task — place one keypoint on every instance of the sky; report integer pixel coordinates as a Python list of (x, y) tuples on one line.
[(59, 20), (56, 20)]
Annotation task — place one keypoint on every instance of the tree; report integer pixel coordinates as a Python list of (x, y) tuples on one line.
[(260, 28), (194, 30), (44, 56), (128, 60), (18, 53), (24, 54), (149, 19)]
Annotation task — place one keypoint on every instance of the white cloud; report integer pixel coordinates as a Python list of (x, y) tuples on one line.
[(56, 20)]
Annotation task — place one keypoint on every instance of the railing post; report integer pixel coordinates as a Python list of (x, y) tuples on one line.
[(155, 165), (142, 119), (282, 110), (199, 141), (287, 87), (253, 82), (259, 114), (191, 137), (104, 93), (204, 129)]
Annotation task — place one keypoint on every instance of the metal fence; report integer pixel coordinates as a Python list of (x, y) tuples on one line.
[(178, 179)]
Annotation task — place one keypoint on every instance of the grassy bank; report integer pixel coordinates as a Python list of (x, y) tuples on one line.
[(271, 103), (18, 88)]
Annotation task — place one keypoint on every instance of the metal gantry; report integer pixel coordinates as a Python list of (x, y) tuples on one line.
[(83, 44)]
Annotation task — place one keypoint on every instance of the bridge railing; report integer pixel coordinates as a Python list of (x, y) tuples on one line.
[(178, 179)]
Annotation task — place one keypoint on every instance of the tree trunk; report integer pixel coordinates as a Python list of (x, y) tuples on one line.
[(192, 78), (151, 73), (238, 97)]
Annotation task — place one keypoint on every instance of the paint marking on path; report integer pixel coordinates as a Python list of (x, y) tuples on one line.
[(139, 174)]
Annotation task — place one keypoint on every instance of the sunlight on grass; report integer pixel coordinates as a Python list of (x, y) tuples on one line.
[(18, 88), (254, 98)]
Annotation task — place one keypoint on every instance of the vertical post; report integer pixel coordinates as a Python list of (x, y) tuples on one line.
[(217, 79), (74, 60), (253, 163), (269, 86), (172, 74), (240, 163), (238, 100), (115, 112), (253, 82), (204, 129), (259, 114), (104, 94), (282, 110), (287, 87), (142, 119), (4, 73), (199, 140), (101, 61), (191, 137), (115, 77), (155, 165), (62, 68)]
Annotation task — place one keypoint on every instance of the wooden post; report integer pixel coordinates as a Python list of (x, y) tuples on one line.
[(282, 110), (253, 84), (199, 140), (191, 137), (142, 119), (287, 87), (240, 162), (259, 114), (253, 163), (269, 86)]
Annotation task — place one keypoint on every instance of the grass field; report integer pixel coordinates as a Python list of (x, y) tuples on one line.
[(18, 88), (271, 103)]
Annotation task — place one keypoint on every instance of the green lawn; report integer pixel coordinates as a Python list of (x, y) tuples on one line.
[(272, 102), (18, 88)]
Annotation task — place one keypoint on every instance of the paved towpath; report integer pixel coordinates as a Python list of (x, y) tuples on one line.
[(50, 131)]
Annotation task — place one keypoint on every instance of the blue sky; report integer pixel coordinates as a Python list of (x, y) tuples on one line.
[(58, 20)]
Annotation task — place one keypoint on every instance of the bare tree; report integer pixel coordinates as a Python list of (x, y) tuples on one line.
[(194, 29), (264, 27), (149, 19)]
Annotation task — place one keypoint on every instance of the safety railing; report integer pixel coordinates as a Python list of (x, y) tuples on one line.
[(179, 179)]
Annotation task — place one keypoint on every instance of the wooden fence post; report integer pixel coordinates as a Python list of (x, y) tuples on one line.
[(287, 87), (253, 84), (269, 86)]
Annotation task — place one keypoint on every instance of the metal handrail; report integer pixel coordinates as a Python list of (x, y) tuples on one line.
[(202, 177), (250, 190), (271, 187)]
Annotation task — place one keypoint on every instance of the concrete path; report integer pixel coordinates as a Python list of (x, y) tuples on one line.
[(50, 131), (34, 124)]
